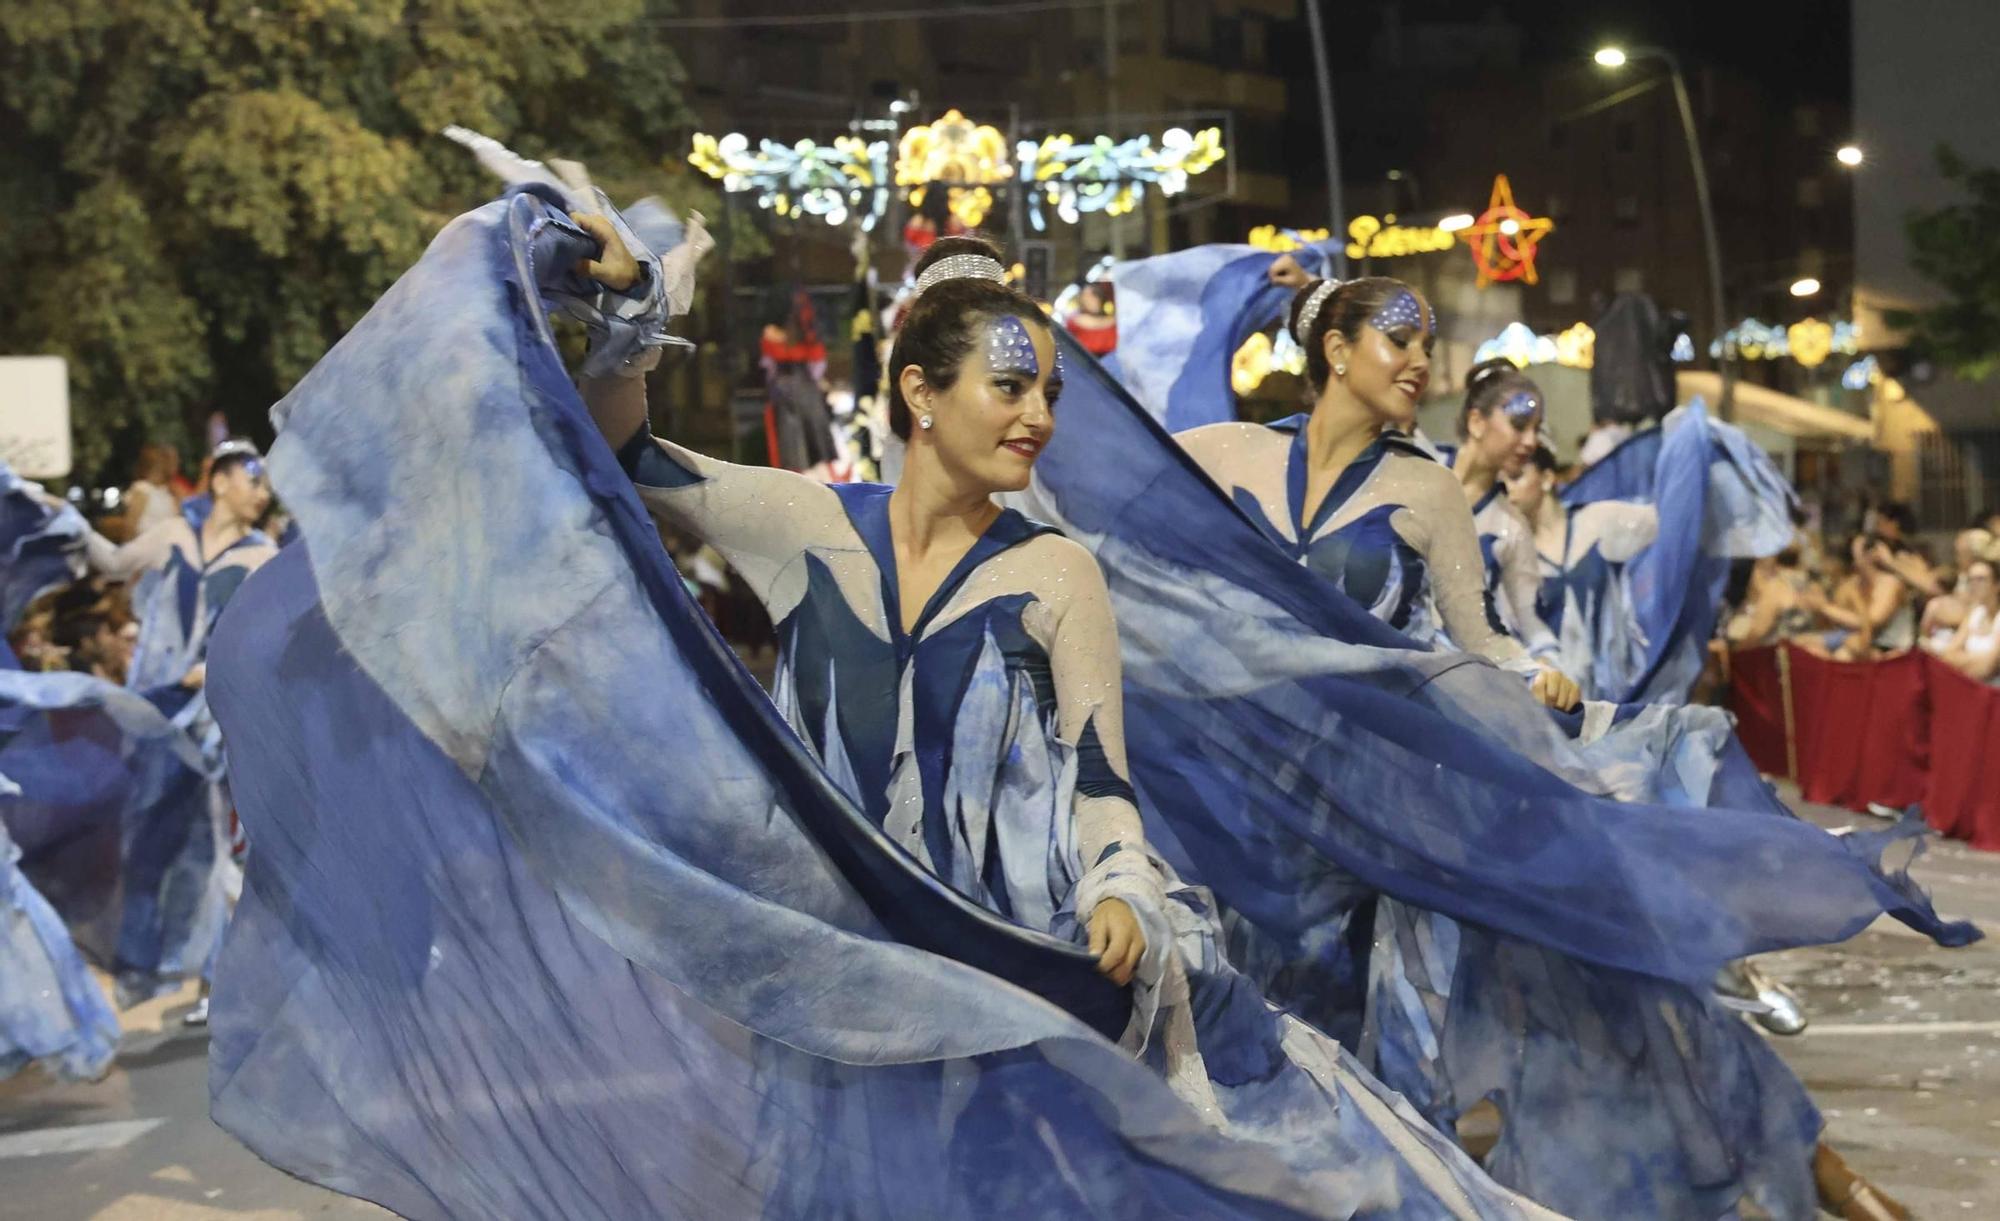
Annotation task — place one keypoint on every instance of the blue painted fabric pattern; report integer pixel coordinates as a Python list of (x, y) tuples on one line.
[(1548, 899), (111, 804), (1181, 318), (551, 913), (40, 547), (52, 1012), (1651, 531)]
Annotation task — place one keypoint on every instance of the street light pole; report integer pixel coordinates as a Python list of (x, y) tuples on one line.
[(1328, 135), (1725, 407)]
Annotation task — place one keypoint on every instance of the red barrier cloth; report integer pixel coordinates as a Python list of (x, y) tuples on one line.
[(1905, 731), (1863, 729), (1964, 800), (1757, 697)]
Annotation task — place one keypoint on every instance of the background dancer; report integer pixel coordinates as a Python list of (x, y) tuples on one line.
[(1459, 1015)]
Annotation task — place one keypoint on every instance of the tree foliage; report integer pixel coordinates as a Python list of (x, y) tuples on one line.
[(197, 199), (1957, 247)]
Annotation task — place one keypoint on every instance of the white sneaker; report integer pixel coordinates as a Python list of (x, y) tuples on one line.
[(197, 1016)]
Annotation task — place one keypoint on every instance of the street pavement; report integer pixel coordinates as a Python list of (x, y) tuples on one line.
[(1903, 1056)]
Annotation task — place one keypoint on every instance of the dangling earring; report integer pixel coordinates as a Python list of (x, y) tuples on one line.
[(924, 421)]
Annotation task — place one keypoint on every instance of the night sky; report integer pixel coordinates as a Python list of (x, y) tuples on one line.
[(1801, 44)]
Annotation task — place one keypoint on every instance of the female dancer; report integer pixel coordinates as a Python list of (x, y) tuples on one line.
[(1294, 772), (1359, 503), (604, 849), (1604, 531), (51, 1010), (1636, 551), (1498, 430), (175, 871)]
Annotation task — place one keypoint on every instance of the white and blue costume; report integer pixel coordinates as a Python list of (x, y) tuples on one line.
[(51, 1010), (1549, 900), (552, 912), (121, 808), (1634, 586)]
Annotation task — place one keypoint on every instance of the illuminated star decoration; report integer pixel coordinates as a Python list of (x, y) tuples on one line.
[(1503, 238)]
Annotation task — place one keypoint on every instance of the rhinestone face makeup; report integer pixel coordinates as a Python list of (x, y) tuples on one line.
[(1010, 349), (1522, 408), (1401, 309)]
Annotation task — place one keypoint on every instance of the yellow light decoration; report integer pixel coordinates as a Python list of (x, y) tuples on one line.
[(1577, 347), (1283, 241), (1811, 342), (706, 157), (1372, 239), (1251, 364), (954, 150)]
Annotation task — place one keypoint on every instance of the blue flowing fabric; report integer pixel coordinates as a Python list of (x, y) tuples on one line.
[(112, 810), (51, 1010), (1538, 942), (40, 548), (1718, 497), (1296, 746), (548, 912), (118, 807), (1181, 317), (1626, 473)]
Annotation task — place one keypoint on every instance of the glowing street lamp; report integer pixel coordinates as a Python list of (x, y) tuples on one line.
[(1610, 57), (1456, 221), (1849, 155), (1805, 287)]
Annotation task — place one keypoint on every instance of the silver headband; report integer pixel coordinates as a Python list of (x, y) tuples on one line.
[(1309, 313), (960, 267)]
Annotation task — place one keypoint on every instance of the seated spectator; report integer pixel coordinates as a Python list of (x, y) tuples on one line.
[(1774, 607), (1946, 609), (1872, 611), (1974, 649)]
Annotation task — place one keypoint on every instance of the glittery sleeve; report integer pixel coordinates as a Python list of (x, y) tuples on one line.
[(1520, 578), (142, 554), (1443, 530), (761, 519), (1090, 715)]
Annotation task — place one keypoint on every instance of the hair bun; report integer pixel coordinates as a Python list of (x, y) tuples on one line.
[(955, 246)]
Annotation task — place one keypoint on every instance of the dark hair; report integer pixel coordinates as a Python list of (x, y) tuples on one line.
[(1487, 384), (76, 631), (1545, 459), (1992, 566), (227, 463), (1898, 512), (1351, 305), (941, 325)]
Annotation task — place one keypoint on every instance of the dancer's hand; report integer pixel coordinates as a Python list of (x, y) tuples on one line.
[(1116, 940), (1556, 690), (614, 267), (1287, 273), (194, 679)]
